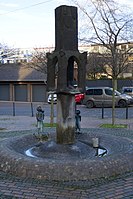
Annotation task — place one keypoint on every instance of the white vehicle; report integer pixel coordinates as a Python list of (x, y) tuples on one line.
[(52, 97)]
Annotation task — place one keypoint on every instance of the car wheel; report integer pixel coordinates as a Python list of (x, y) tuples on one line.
[(122, 103), (89, 104)]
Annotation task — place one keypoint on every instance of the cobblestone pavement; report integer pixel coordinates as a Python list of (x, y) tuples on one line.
[(120, 188), (11, 187)]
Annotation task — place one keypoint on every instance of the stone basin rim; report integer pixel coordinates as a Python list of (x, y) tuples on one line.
[(19, 164)]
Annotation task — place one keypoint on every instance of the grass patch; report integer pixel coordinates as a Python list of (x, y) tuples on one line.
[(113, 126), (2, 129), (49, 125), (4, 119)]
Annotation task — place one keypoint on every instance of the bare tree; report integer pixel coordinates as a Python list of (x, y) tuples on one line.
[(123, 60), (109, 26), (94, 65), (38, 61)]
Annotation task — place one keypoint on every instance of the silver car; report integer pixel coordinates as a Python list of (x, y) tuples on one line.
[(102, 96), (128, 90)]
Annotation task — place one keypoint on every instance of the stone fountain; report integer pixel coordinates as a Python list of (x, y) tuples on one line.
[(65, 156)]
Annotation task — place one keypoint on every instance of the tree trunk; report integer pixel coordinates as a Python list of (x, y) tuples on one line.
[(113, 101), (52, 111)]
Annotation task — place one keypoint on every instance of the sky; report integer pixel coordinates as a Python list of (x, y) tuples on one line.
[(30, 24), (27, 24)]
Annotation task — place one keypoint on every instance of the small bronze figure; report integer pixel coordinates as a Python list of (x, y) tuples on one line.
[(40, 118)]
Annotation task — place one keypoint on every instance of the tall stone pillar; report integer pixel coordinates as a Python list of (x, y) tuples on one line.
[(66, 28), (65, 54), (65, 119)]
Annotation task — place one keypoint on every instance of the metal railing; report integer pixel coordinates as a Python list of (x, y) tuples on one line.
[(18, 108)]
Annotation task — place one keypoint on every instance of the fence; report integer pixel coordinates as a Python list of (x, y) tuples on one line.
[(125, 112), (18, 108), (29, 109), (108, 82)]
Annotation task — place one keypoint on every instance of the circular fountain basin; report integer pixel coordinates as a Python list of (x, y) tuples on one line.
[(67, 152), (26, 157)]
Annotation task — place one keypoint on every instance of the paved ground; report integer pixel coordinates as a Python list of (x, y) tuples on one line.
[(11, 123), (12, 187)]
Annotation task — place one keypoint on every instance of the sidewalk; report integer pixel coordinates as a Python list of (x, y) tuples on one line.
[(16, 123)]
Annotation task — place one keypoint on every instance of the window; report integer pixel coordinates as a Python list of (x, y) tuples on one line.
[(108, 92), (98, 92), (89, 92), (128, 90)]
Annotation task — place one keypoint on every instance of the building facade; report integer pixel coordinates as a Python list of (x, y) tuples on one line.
[(19, 83)]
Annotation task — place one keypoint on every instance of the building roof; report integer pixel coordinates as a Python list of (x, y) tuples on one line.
[(19, 72)]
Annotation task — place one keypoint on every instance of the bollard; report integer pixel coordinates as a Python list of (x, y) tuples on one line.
[(32, 114), (102, 110), (95, 142), (13, 108), (127, 112)]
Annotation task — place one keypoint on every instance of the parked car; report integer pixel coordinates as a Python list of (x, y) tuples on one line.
[(128, 90), (54, 98), (78, 98), (102, 96)]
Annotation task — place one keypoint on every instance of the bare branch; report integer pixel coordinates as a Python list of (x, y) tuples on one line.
[(109, 27), (39, 61)]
